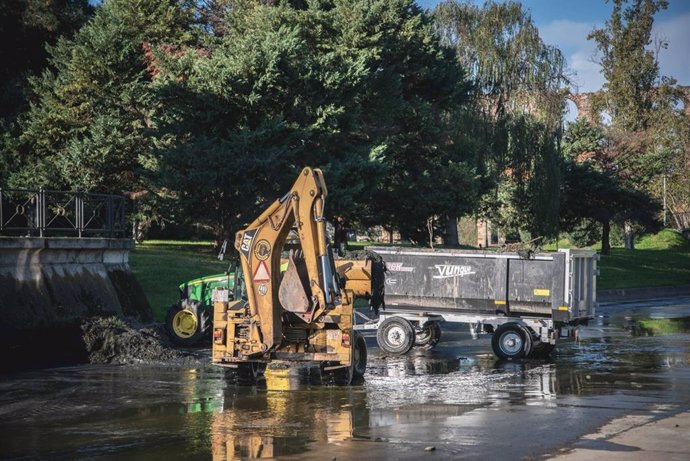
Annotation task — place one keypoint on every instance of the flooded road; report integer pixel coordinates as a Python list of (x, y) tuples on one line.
[(633, 359)]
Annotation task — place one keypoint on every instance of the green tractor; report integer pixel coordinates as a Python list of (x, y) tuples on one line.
[(189, 320)]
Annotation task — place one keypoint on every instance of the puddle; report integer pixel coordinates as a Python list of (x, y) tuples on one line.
[(455, 397)]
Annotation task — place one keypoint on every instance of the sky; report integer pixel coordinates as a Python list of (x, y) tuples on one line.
[(566, 23)]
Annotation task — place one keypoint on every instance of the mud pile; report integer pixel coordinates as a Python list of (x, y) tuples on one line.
[(112, 340)]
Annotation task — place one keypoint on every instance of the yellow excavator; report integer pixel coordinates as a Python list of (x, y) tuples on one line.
[(305, 313)]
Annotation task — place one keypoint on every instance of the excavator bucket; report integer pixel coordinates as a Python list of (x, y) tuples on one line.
[(292, 293)]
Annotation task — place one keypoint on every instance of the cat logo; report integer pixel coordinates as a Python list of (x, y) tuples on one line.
[(247, 239)]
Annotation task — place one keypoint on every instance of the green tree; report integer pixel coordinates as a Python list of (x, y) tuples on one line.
[(592, 194), (648, 133), (27, 29), (628, 62), (361, 89), (91, 109), (518, 82), (594, 191)]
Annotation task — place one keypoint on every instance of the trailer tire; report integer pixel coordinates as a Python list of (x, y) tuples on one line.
[(187, 322), (395, 335), (428, 337), (511, 341)]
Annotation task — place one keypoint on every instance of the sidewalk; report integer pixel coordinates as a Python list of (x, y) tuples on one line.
[(626, 439)]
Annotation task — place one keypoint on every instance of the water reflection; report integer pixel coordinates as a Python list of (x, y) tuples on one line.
[(659, 326), (289, 412)]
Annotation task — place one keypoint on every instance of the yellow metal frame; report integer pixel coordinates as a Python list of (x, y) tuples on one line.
[(254, 330)]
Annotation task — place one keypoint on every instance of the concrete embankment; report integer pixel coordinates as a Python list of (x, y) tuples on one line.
[(51, 288)]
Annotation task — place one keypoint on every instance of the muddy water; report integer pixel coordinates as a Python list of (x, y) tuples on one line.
[(457, 398)]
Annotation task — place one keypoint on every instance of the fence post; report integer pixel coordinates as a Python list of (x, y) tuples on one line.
[(79, 204), (40, 212), (2, 216), (109, 215)]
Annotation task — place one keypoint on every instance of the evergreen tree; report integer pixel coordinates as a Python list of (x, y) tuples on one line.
[(90, 110), (361, 89), (27, 28), (593, 191)]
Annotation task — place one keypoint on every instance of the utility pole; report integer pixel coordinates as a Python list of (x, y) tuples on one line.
[(664, 199)]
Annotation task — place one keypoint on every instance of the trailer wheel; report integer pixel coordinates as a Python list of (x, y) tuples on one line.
[(395, 335), (511, 341), (187, 322), (428, 337)]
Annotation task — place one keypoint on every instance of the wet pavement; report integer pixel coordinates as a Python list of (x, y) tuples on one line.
[(634, 359)]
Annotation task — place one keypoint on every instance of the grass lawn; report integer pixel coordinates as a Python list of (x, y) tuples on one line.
[(160, 267), (662, 259)]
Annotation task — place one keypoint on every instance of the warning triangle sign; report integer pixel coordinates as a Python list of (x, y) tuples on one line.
[(261, 273)]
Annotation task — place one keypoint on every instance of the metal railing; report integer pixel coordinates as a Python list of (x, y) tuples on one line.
[(48, 213)]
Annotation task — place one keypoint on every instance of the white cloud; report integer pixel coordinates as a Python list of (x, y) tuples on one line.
[(571, 38), (587, 73)]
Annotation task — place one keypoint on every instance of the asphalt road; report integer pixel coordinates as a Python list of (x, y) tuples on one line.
[(457, 399)]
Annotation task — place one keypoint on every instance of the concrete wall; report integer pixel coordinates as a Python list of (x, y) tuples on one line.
[(48, 281)]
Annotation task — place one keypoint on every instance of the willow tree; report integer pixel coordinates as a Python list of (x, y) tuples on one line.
[(518, 96)]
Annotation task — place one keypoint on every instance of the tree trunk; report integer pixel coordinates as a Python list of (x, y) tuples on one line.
[(451, 237), (605, 233), (629, 236), (389, 233), (340, 236)]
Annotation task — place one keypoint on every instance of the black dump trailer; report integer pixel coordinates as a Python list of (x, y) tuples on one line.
[(528, 302)]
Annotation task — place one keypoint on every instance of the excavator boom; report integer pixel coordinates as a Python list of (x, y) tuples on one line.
[(305, 313)]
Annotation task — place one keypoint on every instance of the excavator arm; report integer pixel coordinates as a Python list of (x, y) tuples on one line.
[(309, 287), (304, 314)]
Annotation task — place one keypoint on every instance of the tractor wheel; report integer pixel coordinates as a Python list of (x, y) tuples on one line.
[(340, 376), (187, 322), (332, 373), (359, 356), (249, 373), (428, 337)]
